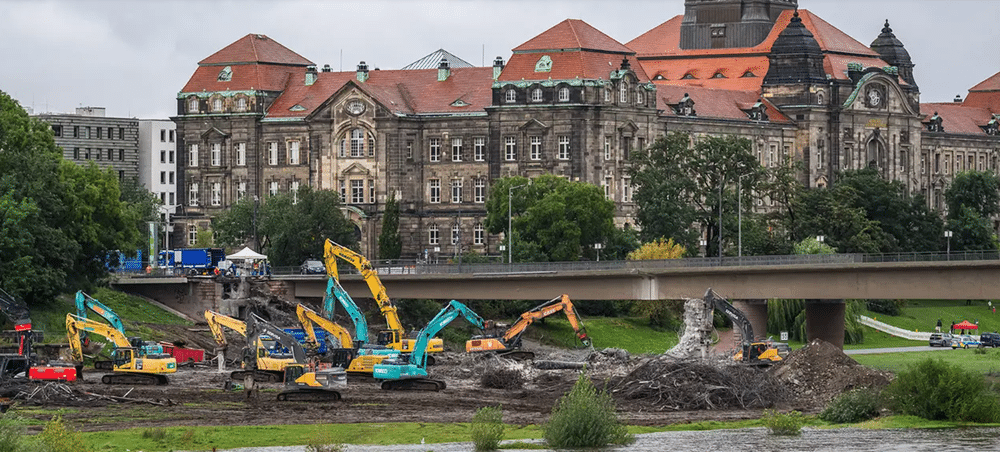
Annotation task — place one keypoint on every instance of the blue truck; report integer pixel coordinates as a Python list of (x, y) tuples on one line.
[(192, 261)]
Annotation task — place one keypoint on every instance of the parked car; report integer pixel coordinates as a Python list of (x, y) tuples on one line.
[(989, 339), (964, 341), (940, 340), (312, 267)]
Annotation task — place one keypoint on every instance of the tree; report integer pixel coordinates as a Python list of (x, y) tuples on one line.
[(553, 219), (978, 190), (658, 249), (390, 245), (970, 231), (680, 187), (289, 231), (832, 214)]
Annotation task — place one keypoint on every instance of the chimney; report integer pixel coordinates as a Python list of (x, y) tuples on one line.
[(444, 70), (311, 75), (497, 67), (326, 68), (362, 72)]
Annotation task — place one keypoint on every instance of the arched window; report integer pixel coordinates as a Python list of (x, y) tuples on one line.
[(623, 92), (876, 154), (193, 105), (357, 143)]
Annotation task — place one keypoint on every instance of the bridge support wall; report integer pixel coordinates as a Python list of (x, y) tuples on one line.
[(825, 320), (756, 312)]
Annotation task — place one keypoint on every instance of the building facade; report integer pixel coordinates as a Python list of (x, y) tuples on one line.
[(90, 136), (256, 119), (158, 167)]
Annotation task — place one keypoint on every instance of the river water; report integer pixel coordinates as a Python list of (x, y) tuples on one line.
[(754, 439)]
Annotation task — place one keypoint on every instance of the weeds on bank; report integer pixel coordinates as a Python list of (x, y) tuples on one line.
[(487, 428), (585, 417), (783, 424), (852, 406)]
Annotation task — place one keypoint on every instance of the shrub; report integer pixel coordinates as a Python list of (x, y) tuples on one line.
[(585, 417), (56, 437), (155, 434), (887, 307), (785, 424), (933, 390), (487, 428), (852, 406), (12, 429), (322, 441)]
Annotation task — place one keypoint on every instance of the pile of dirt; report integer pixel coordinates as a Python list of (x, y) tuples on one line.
[(820, 371), (666, 384)]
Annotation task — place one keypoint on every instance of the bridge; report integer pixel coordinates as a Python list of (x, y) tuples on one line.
[(824, 281)]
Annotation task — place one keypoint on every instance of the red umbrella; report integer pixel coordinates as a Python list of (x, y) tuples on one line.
[(965, 325)]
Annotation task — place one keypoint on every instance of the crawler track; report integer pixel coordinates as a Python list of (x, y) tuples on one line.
[(309, 395), (414, 384), (129, 378)]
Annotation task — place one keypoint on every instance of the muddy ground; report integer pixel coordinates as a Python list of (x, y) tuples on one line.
[(196, 396)]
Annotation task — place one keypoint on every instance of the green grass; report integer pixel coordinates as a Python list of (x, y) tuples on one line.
[(629, 333), (966, 359), (922, 315), (878, 339)]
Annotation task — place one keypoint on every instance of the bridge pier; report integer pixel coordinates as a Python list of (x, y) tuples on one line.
[(756, 313), (825, 320)]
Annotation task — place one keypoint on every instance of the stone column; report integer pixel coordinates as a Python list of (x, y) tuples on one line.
[(756, 312), (825, 320)]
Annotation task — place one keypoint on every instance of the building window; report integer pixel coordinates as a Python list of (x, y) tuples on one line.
[(57, 130), (163, 156), (510, 148), (171, 194), (357, 191), (120, 132), (293, 152), (371, 190), (626, 189), (163, 177), (217, 104), (435, 191), (163, 135), (76, 153), (409, 149), (455, 232), (171, 159), (564, 94), (272, 153), (357, 142), (433, 235), (193, 195), (478, 234), (607, 148), (371, 146), (607, 94), (626, 147), (241, 104), (511, 96), (216, 154), (121, 155), (343, 191), (480, 190), (456, 149), (536, 95), (536, 147), (170, 178), (216, 194), (192, 235), (192, 155), (193, 105), (456, 191), (640, 98), (241, 190), (435, 150), (294, 188), (479, 145), (607, 187), (273, 188), (563, 147), (241, 154), (623, 92)]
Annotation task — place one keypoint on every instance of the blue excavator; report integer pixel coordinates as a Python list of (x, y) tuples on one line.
[(410, 371)]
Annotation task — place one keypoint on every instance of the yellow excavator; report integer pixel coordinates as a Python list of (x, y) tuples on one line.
[(267, 363), (750, 352), (395, 336), (356, 361), (508, 344), (128, 366)]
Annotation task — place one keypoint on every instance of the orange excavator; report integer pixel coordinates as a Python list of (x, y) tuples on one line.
[(508, 344)]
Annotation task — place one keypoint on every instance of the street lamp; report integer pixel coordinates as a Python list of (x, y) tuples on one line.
[(739, 200), (820, 238), (510, 232), (598, 247), (948, 235), (704, 247)]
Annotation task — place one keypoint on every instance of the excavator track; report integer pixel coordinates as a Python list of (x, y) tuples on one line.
[(413, 384), (262, 376), (308, 395), (517, 355), (134, 379), (104, 365)]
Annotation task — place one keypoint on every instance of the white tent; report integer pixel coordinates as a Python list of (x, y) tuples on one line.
[(246, 254)]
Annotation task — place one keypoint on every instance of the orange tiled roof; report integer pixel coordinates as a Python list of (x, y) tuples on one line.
[(715, 103), (401, 91), (661, 56), (957, 117), (250, 76), (573, 34), (255, 48), (986, 94)]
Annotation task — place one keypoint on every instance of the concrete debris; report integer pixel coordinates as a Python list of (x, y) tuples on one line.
[(696, 340)]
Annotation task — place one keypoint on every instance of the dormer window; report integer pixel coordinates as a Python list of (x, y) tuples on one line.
[(935, 124), (623, 92), (686, 106), (688, 76), (217, 104), (748, 73), (758, 112), (511, 96), (193, 105), (536, 95), (659, 77), (564, 94), (719, 75), (640, 97), (241, 104), (607, 94), (226, 75)]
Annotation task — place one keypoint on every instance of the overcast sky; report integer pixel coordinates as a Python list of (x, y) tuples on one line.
[(132, 57)]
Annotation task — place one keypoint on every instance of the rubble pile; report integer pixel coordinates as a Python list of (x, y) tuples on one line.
[(696, 340), (70, 395), (820, 371), (667, 384)]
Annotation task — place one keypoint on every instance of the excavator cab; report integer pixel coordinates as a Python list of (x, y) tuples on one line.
[(387, 337)]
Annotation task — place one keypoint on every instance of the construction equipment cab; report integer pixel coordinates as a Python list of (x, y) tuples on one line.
[(750, 351), (127, 366), (262, 356), (508, 344), (24, 363), (395, 336)]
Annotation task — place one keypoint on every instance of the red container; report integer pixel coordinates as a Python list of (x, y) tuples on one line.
[(52, 373), (182, 354)]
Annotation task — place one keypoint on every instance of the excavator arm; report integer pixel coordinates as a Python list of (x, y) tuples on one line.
[(84, 302), (334, 291), (76, 325), (257, 326), (307, 317), (546, 309), (215, 323), (452, 311), (17, 312), (738, 318), (370, 276)]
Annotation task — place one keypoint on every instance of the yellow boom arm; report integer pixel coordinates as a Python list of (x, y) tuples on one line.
[(216, 321), (75, 325), (307, 317), (333, 250)]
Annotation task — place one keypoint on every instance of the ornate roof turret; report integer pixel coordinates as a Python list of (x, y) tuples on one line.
[(795, 56), (892, 51)]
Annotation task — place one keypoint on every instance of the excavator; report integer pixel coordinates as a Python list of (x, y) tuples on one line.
[(410, 373), (266, 363), (85, 302), (300, 384), (355, 357), (395, 337), (508, 344), (751, 352), (127, 366), (23, 362)]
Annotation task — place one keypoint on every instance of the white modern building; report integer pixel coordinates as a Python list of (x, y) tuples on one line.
[(158, 166)]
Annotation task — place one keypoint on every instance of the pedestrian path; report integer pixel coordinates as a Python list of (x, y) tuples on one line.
[(895, 331)]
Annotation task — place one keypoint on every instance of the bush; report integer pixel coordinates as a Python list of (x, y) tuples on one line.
[(56, 437), (887, 307), (585, 417), (487, 428), (936, 391), (852, 406), (785, 424), (12, 429)]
